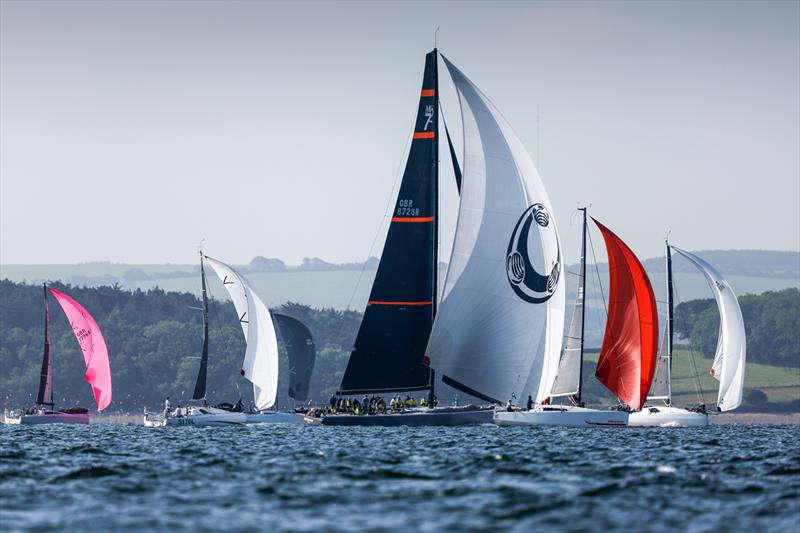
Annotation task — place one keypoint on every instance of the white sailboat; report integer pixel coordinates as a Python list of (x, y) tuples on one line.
[(201, 414), (729, 360), (568, 381), (260, 364)]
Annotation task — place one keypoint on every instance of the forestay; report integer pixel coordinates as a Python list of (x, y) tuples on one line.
[(260, 364), (729, 360), (498, 331)]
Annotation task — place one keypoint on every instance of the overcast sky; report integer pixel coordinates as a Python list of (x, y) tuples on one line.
[(129, 131)]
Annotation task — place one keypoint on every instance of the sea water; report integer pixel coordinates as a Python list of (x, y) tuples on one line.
[(312, 478)]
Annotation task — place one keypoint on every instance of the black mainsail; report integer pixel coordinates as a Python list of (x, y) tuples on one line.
[(45, 395), (301, 351), (200, 385), (389, 353)]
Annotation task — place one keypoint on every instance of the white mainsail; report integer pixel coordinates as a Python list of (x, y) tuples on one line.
[(499, 326), (568, 377), (260, 364), (729, 361), (660, 389)]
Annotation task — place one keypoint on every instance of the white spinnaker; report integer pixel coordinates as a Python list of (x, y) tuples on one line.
[(485, 336), (729, 360), (260, 365)]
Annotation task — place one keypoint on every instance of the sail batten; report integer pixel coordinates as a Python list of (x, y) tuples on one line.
[(729, 359), (499, 326), (628, 354), (93, 346)]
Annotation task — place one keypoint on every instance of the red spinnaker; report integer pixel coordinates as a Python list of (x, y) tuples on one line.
[(627, 359)]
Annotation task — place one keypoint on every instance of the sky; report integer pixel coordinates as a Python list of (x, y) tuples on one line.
[(129, 132)]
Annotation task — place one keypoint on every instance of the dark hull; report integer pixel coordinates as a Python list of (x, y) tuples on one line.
[(445, 416)]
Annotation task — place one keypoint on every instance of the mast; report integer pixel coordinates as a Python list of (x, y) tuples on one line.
[(435, 202), (670, 303), (45, 395), (582, 290), (200, 385)]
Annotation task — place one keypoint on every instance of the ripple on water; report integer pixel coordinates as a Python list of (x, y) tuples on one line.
[(310, 478)]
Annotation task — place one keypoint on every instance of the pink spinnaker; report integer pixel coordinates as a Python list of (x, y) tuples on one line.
[(95, 353)]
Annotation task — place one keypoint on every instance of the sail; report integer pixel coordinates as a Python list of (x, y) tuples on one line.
[(260, 365), (302, 354), (202, 373), (45, 395), (568, 377), (389, 353), (729, 360), (499, 327), (93, 346), (628, 354), (660, 389)]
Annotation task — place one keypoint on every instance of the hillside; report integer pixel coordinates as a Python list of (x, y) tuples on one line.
[(154, 339), (321, 284)]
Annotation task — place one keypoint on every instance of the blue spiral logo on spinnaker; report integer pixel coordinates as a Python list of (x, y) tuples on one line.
[(526, 282)]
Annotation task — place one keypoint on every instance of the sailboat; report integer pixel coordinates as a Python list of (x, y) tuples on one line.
[(201, 414), (98, 370), (502, 298), (729, 360), (627, 356), (261, 331)]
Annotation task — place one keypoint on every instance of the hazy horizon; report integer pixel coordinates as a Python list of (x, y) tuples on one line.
[(131, 131)]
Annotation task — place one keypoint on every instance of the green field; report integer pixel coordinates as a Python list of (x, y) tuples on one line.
[(781, 385)]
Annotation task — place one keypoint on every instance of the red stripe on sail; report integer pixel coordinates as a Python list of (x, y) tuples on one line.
[(412, 219), (424, 134), (627, 359), (427, 92), (378, 302)]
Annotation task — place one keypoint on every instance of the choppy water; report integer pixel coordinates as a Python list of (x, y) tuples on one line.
[(311, 478)]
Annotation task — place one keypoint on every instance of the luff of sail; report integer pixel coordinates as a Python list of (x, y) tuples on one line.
[(93, 346), (729, 360), (45, 394), (499, 327), (260, 365), (389, 353), (628, 354)]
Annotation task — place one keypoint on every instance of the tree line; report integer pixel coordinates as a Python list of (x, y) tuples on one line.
[(155, 337)]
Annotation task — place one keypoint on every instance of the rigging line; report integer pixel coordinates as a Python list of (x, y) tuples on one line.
[(398, 174)]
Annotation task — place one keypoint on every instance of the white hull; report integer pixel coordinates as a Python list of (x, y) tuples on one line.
[(9, 418), (207, 416), (556, 415), (154, 421), (55, 418), (273, 417), (667, 417)]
